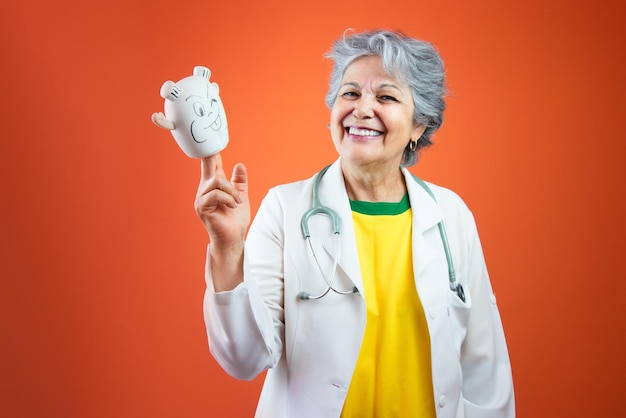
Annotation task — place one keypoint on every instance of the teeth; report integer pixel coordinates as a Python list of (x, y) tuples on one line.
[(363, 132)]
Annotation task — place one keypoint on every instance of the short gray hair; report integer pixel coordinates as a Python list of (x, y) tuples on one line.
[(412, 61)]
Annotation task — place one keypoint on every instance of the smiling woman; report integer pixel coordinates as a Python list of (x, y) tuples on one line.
[(358, 353), (100, 292), (419, 66), (372, 124)]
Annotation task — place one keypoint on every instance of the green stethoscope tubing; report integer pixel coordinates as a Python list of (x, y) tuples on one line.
[(318, 208), (454, 285)]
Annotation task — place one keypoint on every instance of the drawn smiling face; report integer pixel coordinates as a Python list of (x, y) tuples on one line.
[(196, 111), (207, 118)]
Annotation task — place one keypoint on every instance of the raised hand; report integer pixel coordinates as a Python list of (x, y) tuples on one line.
[(224, 209)]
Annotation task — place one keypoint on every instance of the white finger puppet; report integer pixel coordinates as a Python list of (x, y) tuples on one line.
[(194, 114)]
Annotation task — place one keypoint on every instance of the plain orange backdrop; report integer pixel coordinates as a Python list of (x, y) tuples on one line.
[(101, 261)]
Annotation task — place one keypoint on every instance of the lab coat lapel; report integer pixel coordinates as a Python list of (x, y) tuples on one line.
[(333, 194), (426, 214)]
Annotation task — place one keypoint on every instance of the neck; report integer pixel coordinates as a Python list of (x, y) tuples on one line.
[(374, 185)]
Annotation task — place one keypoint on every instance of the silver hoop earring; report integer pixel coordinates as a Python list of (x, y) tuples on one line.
[(412, 145)]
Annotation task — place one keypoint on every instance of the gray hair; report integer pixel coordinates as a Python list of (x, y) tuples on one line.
[(412, 61)]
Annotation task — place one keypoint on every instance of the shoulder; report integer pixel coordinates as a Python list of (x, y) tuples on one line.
[(290, 191), (445, 196), (442, 195), (452, 207), (284, 199), (330, 179), (452, 203)]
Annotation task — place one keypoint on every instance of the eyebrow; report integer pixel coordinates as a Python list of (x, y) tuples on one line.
[(384, 85)]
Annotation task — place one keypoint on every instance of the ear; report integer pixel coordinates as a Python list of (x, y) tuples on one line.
[(203, 72), (161, 121), (170, 91), (417, 132)]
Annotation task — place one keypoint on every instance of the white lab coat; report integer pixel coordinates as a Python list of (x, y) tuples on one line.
[(310, 347)]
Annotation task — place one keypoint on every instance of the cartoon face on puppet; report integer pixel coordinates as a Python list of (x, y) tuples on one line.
[(194, 114)]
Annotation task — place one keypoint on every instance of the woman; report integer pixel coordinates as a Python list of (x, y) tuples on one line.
[(362, 322)]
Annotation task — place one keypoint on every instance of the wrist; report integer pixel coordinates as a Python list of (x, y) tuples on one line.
[(226, 266)]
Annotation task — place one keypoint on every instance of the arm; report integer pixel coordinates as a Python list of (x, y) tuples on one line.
[(224, 209), (244, 337)]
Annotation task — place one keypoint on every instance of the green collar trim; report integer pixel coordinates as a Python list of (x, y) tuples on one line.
[(381, 208)]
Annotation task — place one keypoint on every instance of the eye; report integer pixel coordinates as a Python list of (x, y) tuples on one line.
[(387, 98), (198, 108), (350, 95)]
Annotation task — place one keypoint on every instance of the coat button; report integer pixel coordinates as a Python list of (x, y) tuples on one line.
[(442, 401), (432, 312)]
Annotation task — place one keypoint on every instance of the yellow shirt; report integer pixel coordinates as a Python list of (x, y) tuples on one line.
[(393, 376)]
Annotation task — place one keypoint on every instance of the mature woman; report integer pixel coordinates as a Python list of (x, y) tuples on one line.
[(353, 311)]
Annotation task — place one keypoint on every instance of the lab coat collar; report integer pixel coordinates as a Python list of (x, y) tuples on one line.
[(426, 211), (333, 193), (426, 214)]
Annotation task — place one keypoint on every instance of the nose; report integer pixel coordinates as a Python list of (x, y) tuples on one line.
[(363, 107)]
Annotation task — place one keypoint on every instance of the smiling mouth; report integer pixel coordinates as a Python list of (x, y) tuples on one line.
[(363, 132), (217, 124)]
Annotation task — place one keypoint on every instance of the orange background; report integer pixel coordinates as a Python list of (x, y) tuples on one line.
[(102, 255)]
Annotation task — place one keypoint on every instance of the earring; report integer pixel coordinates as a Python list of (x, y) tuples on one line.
[(412, 145)]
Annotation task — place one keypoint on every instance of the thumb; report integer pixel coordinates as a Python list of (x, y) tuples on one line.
[(239, 179)]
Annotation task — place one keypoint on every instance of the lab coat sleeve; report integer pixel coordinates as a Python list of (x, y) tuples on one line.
[(245, 326), (487, 379)]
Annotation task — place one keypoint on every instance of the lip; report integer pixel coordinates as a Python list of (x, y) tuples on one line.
[(348, 128)]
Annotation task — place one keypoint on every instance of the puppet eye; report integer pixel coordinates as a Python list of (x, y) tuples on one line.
[(199, 109)]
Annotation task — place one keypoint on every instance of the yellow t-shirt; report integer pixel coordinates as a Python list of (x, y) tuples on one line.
[(393, 376)]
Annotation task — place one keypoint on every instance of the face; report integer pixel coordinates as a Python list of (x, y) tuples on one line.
[(371, 121), (206, 120), (195, 108)]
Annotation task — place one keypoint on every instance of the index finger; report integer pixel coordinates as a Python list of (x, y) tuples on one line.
[(211, 166)]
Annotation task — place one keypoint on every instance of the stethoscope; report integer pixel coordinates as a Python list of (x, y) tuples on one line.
[(318, 208)]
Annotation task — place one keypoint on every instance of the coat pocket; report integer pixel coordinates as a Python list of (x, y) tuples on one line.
[(459, 313)]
